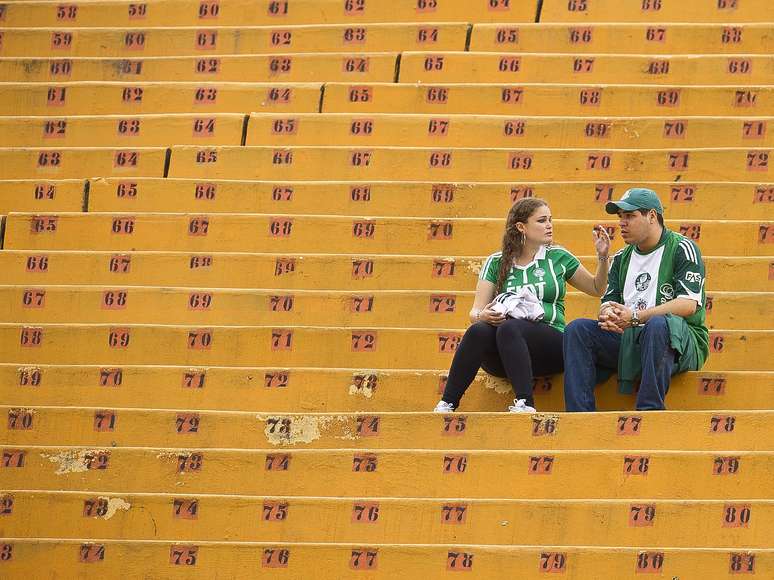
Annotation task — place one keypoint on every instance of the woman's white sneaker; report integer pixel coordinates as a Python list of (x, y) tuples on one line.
[(443, 407), (520, 406)]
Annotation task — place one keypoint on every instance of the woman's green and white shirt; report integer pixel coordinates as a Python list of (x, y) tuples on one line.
[(546, 276)]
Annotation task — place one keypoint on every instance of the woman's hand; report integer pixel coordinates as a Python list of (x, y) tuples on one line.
[(601, 241), (485, 293), (491, 316)]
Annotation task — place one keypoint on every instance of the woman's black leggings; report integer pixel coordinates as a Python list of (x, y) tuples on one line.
[(517, 349)]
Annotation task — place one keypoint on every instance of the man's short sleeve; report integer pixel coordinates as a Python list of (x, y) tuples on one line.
[(613, 292), (689, 272), (564, 261), (490, 269)]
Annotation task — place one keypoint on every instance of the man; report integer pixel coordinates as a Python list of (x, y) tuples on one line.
[(651, 321)]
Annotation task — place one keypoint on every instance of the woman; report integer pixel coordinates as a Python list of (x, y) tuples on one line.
[(520, 348)]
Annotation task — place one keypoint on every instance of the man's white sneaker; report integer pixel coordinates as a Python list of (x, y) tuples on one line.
[(443, 407), (520, 406)]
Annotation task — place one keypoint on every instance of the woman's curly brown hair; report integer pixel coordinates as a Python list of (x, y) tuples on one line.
[(513, 240)]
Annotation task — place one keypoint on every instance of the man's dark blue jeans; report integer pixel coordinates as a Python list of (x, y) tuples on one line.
[(586, 347)]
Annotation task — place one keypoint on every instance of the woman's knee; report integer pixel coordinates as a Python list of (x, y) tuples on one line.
[(512, 328), (480, 331)]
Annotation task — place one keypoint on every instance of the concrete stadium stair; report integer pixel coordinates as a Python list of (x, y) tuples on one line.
[(362, 271), (600, 38), (174, 560), (384, 308), (314, 346), (540, 474), (206, 517), (304, 389), (293, 234), (675, 430)]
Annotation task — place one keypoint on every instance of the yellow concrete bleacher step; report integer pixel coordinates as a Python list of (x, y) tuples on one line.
[(167, 559), (165, 13), (89, 304), (450, 67), (208, 40), (630, 431), (505, 131), (509, 98), (656, 11), (485, 67), (365, 67), (468, 164), (545, 474), (380, 348), (283, 234), (121, 131), (687, 523), (364, 271), (129, 98), (293, 390), (63, 163), (42, 195), (696, 200), (624, 37), (95, 98)]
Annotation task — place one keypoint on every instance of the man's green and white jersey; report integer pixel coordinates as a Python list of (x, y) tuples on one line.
[(674, 268), (546, 276), (647, 283)]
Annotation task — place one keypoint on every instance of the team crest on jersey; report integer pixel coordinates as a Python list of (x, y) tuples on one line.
[(667, 292), (642, 282), (540, 272)]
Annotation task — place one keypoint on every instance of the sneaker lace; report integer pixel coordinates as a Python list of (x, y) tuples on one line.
[(518, 404)]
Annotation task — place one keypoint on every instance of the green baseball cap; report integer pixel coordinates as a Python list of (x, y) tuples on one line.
[(634, 199)]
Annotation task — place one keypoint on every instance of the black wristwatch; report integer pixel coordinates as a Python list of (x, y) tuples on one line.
[(635, 321)]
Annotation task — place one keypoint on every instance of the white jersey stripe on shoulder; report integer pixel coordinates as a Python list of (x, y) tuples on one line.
[(484, 268), (692, 247), (487, 264), (685, 250), (690, 252)]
